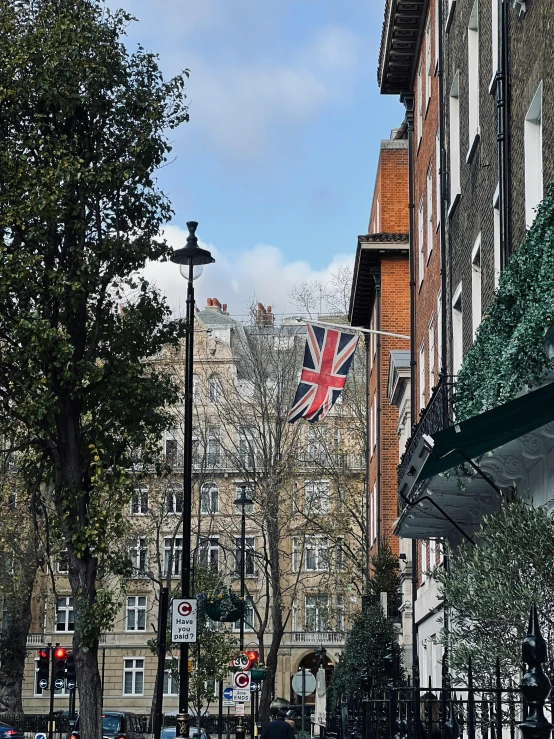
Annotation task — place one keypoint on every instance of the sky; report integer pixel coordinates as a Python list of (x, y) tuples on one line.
[(277, 163)]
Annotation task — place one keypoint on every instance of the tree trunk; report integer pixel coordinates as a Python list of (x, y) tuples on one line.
[(13, 644), (82, 575)]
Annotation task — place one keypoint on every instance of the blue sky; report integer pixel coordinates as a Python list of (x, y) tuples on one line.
[(278, 160)]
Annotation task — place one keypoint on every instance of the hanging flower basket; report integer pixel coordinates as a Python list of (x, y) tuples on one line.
[(224, 605)]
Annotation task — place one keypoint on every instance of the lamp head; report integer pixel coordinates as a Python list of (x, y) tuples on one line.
[(191, 253), (242, 498)]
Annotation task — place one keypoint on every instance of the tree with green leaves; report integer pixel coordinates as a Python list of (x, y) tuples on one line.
[(385, 576), (83, 129), (489, 589), (372, 646)]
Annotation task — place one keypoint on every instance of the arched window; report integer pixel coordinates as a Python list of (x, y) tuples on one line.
[(209, 498)]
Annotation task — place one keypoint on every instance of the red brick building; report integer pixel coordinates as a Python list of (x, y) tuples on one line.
[(380, 300)]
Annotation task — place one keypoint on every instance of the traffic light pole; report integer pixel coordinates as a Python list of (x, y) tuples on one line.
[(52, 678)]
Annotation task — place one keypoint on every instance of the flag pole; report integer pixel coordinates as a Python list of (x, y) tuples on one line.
[(346, 327)]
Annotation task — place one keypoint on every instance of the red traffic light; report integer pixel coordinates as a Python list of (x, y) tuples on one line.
[(253, 656), (60, 653), (42, 653)]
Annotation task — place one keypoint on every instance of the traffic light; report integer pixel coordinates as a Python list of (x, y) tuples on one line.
[(43, 667), (253, 656), (60, 662), (70, 668)]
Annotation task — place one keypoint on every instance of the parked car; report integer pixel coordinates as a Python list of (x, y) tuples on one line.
[(118, 724), (10, 732), (170, 732)]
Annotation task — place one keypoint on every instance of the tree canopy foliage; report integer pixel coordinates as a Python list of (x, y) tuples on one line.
[(489, 589), (83, 125)]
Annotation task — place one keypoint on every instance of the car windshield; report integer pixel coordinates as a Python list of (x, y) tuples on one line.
[(111, 723)]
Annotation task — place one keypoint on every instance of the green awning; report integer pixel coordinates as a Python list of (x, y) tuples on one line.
[(490, 430)]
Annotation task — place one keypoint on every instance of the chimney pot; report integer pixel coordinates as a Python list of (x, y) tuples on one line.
[(224, 307), (269, 309), (209, 302), (216, 303)]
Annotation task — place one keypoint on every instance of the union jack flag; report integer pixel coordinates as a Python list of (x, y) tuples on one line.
[(327, 359)]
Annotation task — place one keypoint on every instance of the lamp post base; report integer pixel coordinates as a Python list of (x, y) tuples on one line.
[(182, 726), (240, 730)]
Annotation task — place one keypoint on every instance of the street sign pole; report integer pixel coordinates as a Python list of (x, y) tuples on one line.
[(162, 632), (51, 716), (303, 699), (220, 717)]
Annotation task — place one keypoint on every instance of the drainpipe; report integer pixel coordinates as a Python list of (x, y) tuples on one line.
[(377, 278), (503, 132), (443, 359), (408, 100), (367, 537)]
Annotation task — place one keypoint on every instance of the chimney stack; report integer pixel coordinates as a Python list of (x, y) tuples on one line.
[(264, 317)]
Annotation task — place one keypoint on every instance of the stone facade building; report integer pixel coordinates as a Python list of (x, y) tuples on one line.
[(320, 474)]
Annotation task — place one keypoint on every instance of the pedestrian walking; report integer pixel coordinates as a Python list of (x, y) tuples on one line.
[(278, 729)]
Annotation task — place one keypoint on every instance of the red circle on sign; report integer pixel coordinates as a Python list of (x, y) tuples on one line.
[(242, 680), (184, 608)]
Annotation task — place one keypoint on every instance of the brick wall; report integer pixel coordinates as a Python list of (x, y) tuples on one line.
[(389, 211)]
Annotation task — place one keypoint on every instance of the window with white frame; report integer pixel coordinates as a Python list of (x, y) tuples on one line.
[(438, 179), (138, 554), (496, 235), (248, 616), (62, 565), (317, 445), (430, 229), (209, 498), (428, 67), (208, 553), (171, 450), (133, 676), (339, 555), (139, 501), (339, 612), (317, 496), (473, 73), (294, 616), (419, 103), (423, 561), (316, 554), (374, 421), (195, 386), (246, 448), (174, 499), (476, 285), (249, 555), (214, 389), (317, 613), (431, 354), (65, 618), (196, 459), (173, 549), (213, 457), (494, 45), (454, 139), (136, 613), (420, 241), (421, 367), (171, 682), (457, 330), (533, 157), (373, 514)]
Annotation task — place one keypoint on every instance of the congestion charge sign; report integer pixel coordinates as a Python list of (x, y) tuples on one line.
[(184, 620)]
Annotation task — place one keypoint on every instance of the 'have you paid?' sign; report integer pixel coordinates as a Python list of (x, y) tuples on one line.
[(183, 620)]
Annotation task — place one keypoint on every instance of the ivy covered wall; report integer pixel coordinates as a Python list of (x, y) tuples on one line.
[(508, 353)]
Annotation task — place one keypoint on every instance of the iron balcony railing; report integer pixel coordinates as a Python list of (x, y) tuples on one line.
[(436, 416)]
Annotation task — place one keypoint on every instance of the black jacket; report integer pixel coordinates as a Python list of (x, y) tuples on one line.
[(278, 729)]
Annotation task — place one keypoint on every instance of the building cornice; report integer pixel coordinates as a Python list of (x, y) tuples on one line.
[(400, 44)]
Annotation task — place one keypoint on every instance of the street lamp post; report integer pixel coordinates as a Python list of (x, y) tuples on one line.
[(242, 500), (189, 258)]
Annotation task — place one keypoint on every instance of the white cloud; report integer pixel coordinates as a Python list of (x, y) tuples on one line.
[(237, 105), (260, 273)]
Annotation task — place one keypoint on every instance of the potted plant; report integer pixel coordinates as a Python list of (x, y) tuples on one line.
[(221, 605)]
